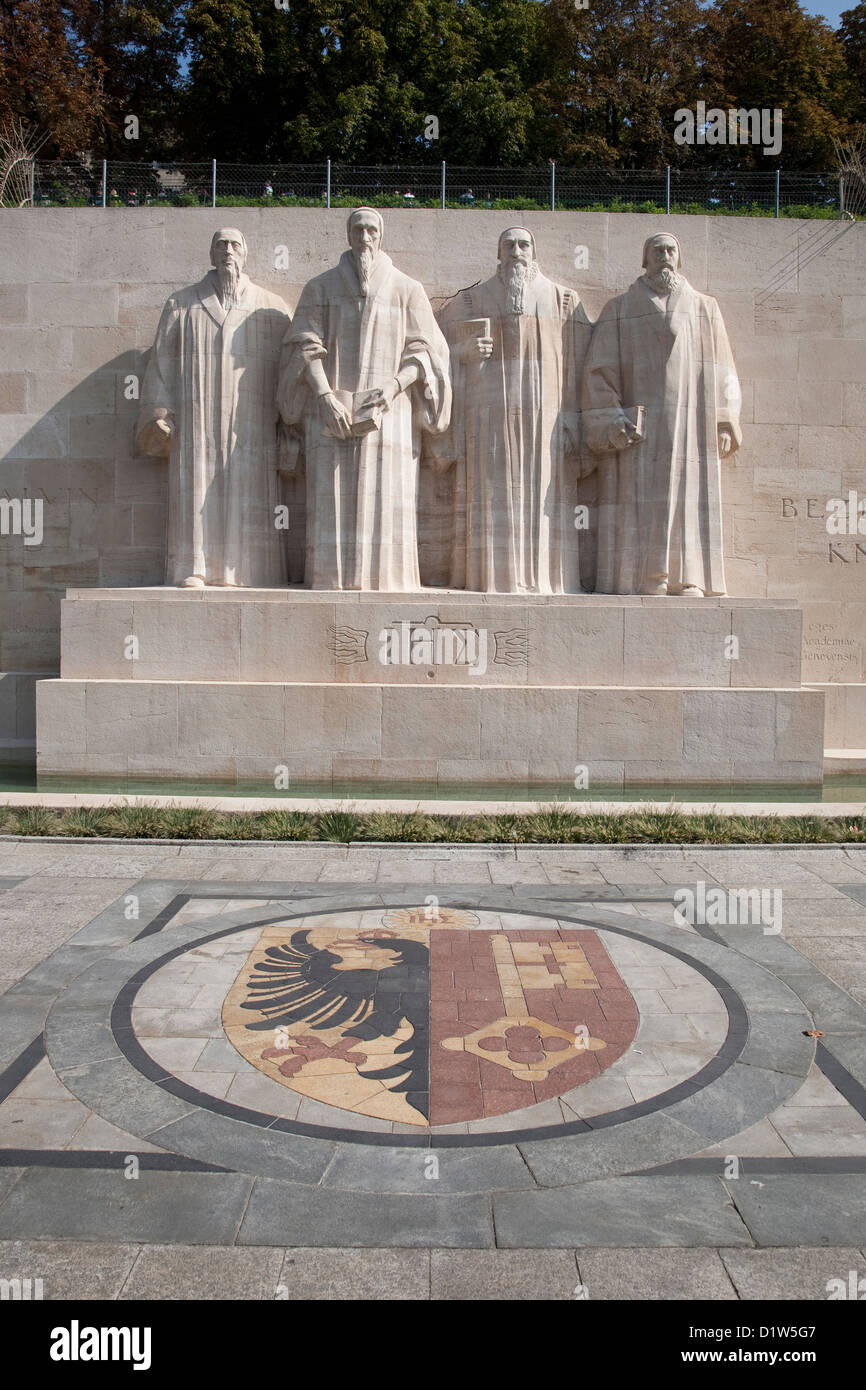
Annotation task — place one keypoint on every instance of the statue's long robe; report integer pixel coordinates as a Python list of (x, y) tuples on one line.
[(214, 372), (660, 502), (516, 467), (362, 493)]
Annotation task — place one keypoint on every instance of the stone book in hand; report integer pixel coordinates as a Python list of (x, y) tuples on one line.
[(361, 405), (636, 416)]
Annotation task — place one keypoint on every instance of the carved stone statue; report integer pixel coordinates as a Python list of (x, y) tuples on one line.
[(661, 405), (365, 374), (518, 343), (208, 405)]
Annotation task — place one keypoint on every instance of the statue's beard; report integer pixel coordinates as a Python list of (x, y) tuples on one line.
[(665, 280), (229, 276), (364, 262), (515, 276)]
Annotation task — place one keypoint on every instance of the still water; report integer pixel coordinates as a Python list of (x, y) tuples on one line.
[(835, 788)]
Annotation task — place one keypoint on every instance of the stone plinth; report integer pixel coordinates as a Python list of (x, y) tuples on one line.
[(435, 637), (845, 714), (462, 734), (450, 688), (17, 704)]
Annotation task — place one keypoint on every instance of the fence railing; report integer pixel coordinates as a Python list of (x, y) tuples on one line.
[(111, 183)]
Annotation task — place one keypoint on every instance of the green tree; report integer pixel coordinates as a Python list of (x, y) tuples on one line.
[(852, 32), (771, 54), (483, 79), (615, 75), (133, 48), (356, 79)]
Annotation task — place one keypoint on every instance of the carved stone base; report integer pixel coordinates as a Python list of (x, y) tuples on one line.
[(465, 734), (844, 714), (436, 637), (437, 688)]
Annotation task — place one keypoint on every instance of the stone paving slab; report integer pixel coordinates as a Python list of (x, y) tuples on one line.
[(355, 1275), (655, 1274), (104, 1205), (550, 1196), (49, 1124), (289, 1157), (211, 1274), (89, 1270), (777, 1044), (22, 1019), (71, 1269), (130, 1102), (511, 1275), (790, 1274), (650, 1139), (278, 1214), (803, 1209), (359, 1169), (621, 1211), (8, 1179), (738, 1099)]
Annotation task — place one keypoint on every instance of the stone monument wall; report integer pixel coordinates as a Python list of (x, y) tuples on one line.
[(81, 292)]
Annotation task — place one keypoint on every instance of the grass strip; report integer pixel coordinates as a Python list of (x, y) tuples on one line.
[(550, 825)]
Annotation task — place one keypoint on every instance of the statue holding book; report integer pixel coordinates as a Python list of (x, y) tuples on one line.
[(364, 375), (517, 343), (661, 409)]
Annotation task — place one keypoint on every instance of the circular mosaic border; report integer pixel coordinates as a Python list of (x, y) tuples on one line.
[(137, 1054), (93, 1047)]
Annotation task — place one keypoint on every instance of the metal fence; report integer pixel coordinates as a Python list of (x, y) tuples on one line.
[(59, 183)]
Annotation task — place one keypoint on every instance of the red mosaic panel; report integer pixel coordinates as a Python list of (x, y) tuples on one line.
[(466, 994)]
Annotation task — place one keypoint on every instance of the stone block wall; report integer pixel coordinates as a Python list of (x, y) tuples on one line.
[(81, 292)]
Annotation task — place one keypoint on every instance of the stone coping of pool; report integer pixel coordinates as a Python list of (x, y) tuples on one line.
[(431, 806)]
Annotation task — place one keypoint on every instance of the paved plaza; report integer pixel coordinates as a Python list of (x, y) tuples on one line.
[(316, 1071)]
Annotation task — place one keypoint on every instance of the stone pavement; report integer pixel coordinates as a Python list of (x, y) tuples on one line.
[(292, 1071)]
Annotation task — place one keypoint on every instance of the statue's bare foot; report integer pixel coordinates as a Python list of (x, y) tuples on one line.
[(691, 591), (192, 581)]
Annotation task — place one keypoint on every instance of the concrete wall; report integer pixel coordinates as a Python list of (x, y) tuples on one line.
[(81, 292)]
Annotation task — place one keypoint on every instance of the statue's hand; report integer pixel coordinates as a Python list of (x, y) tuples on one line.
[(587, 464), (726, 440), (475, 350), (157, 438), (386, 394), (623, 433), (438, 465), (337, 417), (289, 451)]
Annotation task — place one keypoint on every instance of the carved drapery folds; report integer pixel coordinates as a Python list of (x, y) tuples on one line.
[(325, 419)]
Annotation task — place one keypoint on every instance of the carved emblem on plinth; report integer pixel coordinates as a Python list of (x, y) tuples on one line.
[(512, 647), (349, 644)]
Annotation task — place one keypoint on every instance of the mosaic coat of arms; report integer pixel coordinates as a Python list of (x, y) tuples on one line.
[(426, 1018)]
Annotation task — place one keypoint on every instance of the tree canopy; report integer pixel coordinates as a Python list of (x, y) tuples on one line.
[(509, 82)]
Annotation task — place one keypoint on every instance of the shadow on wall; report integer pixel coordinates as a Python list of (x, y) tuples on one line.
[(102, 513), (103, 517), (104, 505)]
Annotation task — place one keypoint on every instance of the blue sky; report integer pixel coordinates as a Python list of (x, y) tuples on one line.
[(828, 9)]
